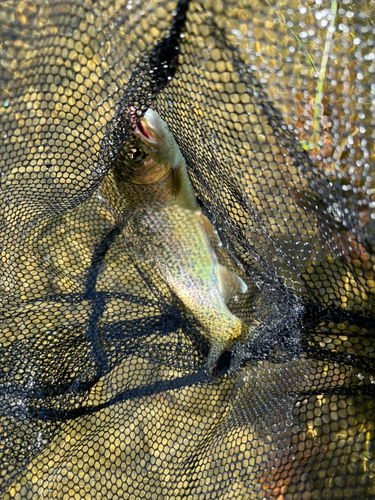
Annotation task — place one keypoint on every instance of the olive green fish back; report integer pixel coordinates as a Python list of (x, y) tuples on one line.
[(104, 392)]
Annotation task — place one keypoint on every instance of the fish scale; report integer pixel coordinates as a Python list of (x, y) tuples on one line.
[(165, 226)]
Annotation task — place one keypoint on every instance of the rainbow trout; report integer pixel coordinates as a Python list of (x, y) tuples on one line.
[(167, 228)]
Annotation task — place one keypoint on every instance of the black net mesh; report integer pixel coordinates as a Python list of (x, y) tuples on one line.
[(105, 391)]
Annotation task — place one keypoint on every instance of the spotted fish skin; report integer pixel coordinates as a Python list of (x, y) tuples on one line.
[(165, 224)]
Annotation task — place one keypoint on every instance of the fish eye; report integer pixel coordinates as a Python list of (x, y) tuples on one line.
[(136, 154)]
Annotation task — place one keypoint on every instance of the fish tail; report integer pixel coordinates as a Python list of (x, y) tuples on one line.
[(223, 342), (214, 354)]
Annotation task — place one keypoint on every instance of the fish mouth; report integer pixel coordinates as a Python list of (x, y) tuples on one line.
[(143, 130), (147, 131)]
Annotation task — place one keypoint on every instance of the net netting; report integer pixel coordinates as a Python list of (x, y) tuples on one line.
[(104, 387)]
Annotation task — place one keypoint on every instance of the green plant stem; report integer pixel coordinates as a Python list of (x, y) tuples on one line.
[(304, 50), (322, 72)]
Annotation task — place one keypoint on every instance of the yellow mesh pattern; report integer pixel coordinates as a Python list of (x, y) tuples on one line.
[(104, 390)]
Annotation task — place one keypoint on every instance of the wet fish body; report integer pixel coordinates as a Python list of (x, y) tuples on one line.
[(166, 226)]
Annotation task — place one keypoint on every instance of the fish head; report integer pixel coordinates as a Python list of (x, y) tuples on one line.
[(151, 153)]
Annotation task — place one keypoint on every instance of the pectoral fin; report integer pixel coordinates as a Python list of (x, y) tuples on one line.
[(231, 284)]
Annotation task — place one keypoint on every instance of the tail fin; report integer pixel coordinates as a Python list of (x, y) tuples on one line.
[(219, 345)]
